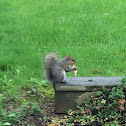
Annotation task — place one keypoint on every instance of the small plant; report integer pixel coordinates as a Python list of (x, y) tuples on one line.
[(33, 108), (6, 118), (3, 113)]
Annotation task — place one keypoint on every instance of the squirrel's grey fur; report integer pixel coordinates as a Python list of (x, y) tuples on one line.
[(56, 68)]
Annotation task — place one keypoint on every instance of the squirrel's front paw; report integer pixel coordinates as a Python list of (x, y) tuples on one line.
[(75, 68)]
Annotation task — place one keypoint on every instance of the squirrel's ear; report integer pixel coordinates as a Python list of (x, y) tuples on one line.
[(68, 57)]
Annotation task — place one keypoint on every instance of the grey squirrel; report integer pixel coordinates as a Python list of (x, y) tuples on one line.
[(56, 68)]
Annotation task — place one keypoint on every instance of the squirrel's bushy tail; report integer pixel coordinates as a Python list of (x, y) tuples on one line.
[(50, 59)]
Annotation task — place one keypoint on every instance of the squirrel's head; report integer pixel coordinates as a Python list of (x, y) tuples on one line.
[(71, 60)]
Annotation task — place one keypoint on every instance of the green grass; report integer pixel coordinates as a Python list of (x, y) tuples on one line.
[(93, 32)]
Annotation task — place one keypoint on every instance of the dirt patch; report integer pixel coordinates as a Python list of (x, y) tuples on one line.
[(49, 110), (38, 119)]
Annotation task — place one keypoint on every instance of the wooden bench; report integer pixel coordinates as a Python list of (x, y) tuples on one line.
[(69, 95)]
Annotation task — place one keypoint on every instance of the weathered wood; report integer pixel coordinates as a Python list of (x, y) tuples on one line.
[(69, 95)]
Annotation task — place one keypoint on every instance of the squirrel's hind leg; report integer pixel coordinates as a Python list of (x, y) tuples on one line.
[(64, 81)]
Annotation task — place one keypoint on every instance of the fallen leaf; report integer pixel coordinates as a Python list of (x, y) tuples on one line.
[(52, 124), (97, 107), (121, 103), (121, 107), (83, 112), (92, 96)]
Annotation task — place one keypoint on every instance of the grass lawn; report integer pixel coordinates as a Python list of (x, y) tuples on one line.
[(93, 32)]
